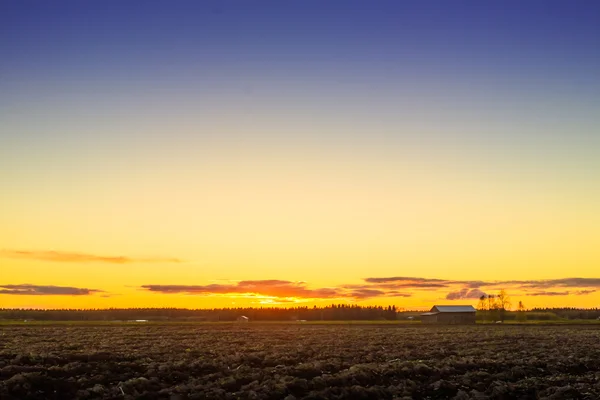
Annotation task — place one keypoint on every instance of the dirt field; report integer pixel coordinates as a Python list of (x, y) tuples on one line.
[(299, 362)]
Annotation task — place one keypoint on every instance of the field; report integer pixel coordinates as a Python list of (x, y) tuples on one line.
[(285, 361)]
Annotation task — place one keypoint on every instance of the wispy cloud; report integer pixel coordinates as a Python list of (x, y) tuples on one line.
[(415, 282), (564, 282), (395, 293), (37, 290), (564, 293), (273, 288), (366, 293), (64, 256), (474, 289), (289, 291), (408, 281), (380, 287), (465, 293), (548, 294)]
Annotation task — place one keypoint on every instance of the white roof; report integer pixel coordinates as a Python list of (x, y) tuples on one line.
[(443, 309)]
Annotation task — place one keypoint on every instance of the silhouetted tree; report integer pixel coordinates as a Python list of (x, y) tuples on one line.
[(521, 316), (482, 305), (492, 307), (503, 303)]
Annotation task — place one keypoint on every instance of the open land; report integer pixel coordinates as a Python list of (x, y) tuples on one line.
[(297, 361)]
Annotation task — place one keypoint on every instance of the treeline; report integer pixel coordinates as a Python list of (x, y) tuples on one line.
[(571, 313), (541, 314), (334, 312)]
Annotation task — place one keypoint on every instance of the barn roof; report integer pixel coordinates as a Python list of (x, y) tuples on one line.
[(444, 309)]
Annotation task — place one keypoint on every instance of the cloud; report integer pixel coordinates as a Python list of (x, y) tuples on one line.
[(403, 279), (275, 288), (548, 294), (395, 293), (416, 283), (565, 293), (476, 284), (474, 289), (584, 292), (564, 282), (266, 282), (465, 293), (374, 287), (63, 256), (36, 290), (367, 293)]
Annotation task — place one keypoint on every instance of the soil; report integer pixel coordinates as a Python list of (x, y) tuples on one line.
[(272, 361)]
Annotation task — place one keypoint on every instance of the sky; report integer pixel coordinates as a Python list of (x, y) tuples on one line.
[(268, 153)]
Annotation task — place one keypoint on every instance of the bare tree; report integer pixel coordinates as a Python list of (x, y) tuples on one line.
[(491, 299), (482, 305), (503, 303), (521, 316)]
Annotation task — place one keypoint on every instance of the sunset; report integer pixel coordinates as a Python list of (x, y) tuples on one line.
[(299, 200), (234, 154)]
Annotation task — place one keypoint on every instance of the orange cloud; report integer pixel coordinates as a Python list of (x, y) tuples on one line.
[(274, 288), (382, 287), (62, 256)]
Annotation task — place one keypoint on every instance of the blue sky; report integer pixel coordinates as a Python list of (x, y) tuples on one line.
[(521, 59)]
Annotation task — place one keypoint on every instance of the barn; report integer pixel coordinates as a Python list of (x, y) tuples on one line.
[(449, 315), (242, 318)]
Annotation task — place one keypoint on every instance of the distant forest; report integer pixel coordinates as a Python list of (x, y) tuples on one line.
[(341, 312), (333, 312)]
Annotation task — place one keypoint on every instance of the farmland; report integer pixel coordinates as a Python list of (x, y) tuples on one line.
[(289, 361)]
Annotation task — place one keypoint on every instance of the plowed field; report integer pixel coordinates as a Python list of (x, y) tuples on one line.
[(280, 361)]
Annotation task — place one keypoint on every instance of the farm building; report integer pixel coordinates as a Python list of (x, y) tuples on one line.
[(449, 315), (242, 318)]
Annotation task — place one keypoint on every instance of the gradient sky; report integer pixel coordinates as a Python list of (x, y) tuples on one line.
[(230, 153)]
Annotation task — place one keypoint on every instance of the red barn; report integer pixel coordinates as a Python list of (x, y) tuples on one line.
[(449, 315)]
